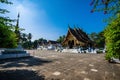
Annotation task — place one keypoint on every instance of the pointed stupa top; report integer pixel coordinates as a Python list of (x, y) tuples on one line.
[(17, 25), (18, 15)]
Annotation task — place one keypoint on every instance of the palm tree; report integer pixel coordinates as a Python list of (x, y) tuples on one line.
[(24, 37), (29, 39), (29, 36)]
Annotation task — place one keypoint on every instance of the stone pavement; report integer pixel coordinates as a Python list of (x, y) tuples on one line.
[(51, 65)]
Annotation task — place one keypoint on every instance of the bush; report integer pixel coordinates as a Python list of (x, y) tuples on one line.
[(99, 52), (112, 37), (7, 38)]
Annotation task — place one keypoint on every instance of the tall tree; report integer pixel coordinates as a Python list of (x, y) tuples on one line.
[(98, 39), (29, 36), (24, 37), (7, 36), (112, 35), (35, 44), (112, 31), (29, 40), (101, 40)]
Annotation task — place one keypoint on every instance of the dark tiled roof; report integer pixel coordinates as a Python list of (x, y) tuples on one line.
[(80, 35), (84, 35), (76, 34), (52, 42)]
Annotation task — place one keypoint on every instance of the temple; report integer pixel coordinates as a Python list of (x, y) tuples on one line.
[(76, 38)]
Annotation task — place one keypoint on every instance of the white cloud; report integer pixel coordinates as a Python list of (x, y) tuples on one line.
[(20, 8), (33, 19)]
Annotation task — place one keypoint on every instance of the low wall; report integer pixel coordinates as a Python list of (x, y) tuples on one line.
[(78, 51), (70, 50), (6, 53)]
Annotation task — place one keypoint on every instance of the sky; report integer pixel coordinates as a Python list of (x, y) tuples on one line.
[(49, 19)]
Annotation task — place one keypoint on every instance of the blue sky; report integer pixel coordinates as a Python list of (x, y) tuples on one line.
[(50, 18)]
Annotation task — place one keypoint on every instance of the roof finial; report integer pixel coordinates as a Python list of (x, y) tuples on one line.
[(74, 26), (68, 26)]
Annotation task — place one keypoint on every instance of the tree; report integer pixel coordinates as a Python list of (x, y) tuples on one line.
[(40, 40), (23, 37), (35, 44), (98, 39), (93, 36), (108, 6), (112, 35), (7, 36), (29, 36), (26, 41), (29, 40), (101, 40), (60, 39), (112, 31)]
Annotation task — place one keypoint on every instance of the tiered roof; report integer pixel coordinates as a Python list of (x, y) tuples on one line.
[(79, 34)]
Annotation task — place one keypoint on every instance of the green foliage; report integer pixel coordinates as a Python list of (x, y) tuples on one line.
[(5, 1), (26, 40), (60, 39), (42, 41), (7, 36), (27, 45), (98, 39), (101, 40), (35, 44), (108, 6), (112, 37), (112, 32), (5, 20), (23, 37), (29, 36), (18, 34)]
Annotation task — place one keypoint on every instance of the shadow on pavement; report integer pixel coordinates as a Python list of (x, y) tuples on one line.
[(20, 75), (20, 62)]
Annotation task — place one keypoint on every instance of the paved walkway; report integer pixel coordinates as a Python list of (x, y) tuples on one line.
[(50, 65)]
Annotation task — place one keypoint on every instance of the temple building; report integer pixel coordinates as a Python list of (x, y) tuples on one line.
[(76, 38)]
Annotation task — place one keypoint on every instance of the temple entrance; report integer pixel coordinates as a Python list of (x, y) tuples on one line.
[(71, 44)]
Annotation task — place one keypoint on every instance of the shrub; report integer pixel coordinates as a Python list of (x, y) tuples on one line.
[(112, 37)]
